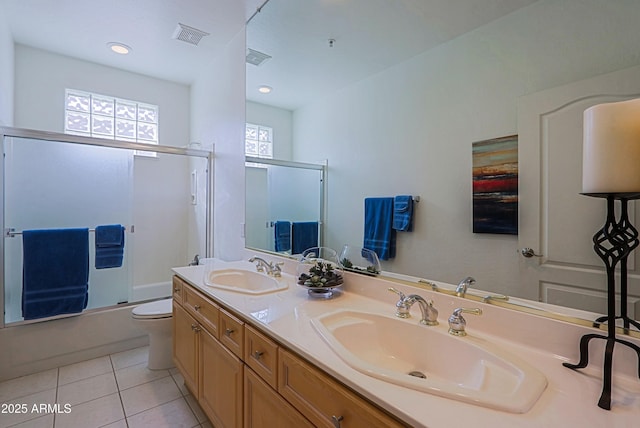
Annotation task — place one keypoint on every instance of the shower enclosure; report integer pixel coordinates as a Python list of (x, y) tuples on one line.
[(160, 194)]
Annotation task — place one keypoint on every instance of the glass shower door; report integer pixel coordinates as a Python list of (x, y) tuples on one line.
[(52, 185)]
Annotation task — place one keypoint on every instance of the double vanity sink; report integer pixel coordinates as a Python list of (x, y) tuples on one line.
[(404, 352)]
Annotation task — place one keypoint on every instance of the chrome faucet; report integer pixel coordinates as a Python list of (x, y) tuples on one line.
[(457, 323), (264, 266), (195, 261), (462, 287), (403, 307)]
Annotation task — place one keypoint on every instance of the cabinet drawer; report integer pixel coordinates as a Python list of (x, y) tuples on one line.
[(261, 354), (232, 333), (177, 289), (325, 402), (202, 309)]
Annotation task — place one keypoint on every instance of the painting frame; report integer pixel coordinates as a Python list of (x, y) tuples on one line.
[(495, 185)]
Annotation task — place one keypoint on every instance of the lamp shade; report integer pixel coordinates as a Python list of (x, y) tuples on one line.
[(611, 148)]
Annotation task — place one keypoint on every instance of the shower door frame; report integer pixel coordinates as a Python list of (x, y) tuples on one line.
[(9, 132)]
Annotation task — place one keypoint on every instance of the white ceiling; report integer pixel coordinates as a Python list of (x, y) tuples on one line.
[(370, 35), (82, 28)]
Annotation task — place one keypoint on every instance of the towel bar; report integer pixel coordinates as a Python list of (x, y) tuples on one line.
[(10, 232)]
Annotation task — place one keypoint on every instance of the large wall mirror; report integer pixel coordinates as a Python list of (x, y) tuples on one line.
[(394, 94)]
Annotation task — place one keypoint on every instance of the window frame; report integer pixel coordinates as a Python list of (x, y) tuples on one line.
[(105, 108)]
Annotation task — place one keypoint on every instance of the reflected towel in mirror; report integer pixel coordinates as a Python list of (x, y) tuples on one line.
[(379, 235), (304, 235), (403, 213), (282, 235)]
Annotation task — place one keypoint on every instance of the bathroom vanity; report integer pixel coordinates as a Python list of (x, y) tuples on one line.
[(257, 358)]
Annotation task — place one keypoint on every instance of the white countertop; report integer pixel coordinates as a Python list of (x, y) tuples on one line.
[(570, 399)]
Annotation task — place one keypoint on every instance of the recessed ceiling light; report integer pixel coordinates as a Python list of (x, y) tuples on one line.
[(119, 48), (264, 89)]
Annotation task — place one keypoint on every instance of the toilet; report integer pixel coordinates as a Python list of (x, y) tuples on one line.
[(156, 319)]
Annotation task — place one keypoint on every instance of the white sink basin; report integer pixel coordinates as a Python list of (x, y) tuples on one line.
[(467, 369), (244, 281)]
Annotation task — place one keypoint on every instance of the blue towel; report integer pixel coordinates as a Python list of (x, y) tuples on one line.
[(282, 232), (109, 246), (304, 234), (379, 235), (55, 272), (403, 213)]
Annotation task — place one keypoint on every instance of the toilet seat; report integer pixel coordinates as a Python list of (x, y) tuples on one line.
[(154, 310)]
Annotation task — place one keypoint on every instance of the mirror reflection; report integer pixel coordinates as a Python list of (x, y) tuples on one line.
[(284, 203), (395, 94)]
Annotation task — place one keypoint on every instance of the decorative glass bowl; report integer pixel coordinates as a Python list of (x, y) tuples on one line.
[(360, 260), (319, 271)]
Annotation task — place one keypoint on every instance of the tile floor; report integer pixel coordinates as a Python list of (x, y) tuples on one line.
[(115, 391)]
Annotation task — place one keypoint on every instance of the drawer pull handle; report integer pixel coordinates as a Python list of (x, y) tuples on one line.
[(196, 307), (175, 290), (336, 421), (257, 355), (229, 331), (195, 328)]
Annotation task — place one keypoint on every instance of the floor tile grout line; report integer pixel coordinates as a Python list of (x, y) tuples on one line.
[(113, 368), (57, 390), (184, 397)]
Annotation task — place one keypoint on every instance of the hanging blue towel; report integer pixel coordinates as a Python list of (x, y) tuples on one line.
[(379, 235), (109, 246), (282, 232), (304, 234), (55, 272), (403, 213)]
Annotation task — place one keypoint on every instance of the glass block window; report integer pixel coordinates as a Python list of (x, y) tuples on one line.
[(101, 116), (258, 141)]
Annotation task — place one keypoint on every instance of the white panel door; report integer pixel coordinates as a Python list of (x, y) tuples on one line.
[(555, 220)]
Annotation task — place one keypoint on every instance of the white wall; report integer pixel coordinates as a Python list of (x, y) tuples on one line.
[(410, 128), (6, 73), (218, 117), (39, 96), (280, 120)]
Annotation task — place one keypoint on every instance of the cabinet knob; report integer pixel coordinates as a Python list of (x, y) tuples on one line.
[(196, 307), (229, 331), (175, 290), (195, 328), (335, 420), (257, 355)]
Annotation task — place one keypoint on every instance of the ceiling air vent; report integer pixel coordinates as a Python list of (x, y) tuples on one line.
[(255, 57), (189, 34)]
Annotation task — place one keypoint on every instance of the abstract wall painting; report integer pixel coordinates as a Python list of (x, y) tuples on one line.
[(495, 186)]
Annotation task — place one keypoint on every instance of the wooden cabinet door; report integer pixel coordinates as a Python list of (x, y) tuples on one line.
[(221, 383), (265, 408), (185, 347)]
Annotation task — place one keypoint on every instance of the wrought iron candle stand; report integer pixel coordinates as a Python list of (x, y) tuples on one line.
[(613, 244)]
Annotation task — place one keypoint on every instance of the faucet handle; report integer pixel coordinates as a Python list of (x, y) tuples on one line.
[(277, 269), (402, 306), (398, 292), (457, 323)]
